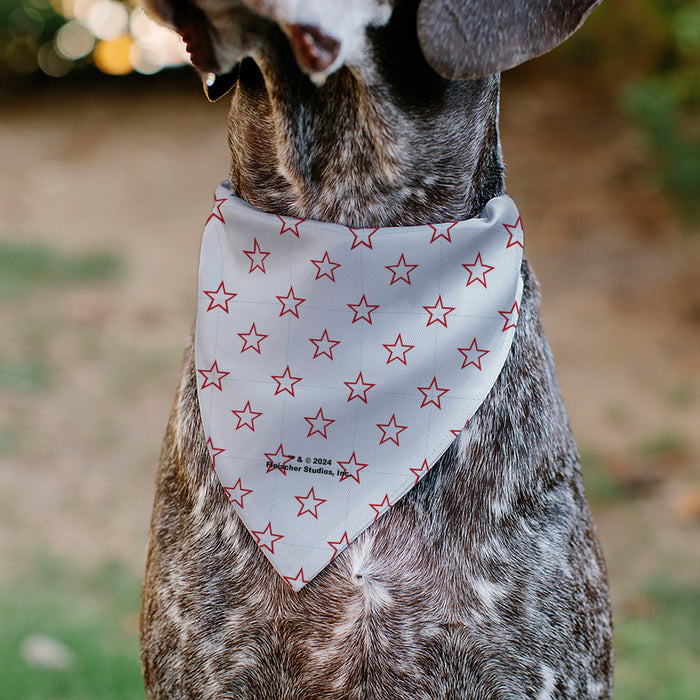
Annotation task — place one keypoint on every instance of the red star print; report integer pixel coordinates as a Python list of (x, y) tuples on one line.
[(363, 237), (324, 345), (511, 316), (290, 303), (246, 417), (341, 544), (256, 257), (360, 393), (401, 271), (291, 228), (217, 374), (217, 214), (421, 471), (357, 467), (319, 424), (472, 355), (326, 268), (305, 507), (285, 382), (266, 538), (438, 312), (299, 578), (380, 506), (478, 274), (252, 339), (443, 233), (432, 393), (363, 310), (237, 493), (214, 451), (220, 298), (515, 231), (278, 457), (457, 432), (391, 431), (398, 350)]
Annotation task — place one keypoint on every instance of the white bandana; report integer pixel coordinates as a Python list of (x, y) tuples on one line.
[(336, 365)]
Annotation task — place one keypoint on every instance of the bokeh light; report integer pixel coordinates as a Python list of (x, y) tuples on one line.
[(58, 36), (74, 40)]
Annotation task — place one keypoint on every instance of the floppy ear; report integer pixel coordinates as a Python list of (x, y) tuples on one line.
[(473, 38)]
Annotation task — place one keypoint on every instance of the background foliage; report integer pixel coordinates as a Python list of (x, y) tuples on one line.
[(647, 51)]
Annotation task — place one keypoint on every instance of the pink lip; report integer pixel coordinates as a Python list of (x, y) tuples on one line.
[(314, 50)]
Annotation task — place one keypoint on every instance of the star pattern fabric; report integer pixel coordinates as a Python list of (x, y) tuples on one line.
[(335, 365)]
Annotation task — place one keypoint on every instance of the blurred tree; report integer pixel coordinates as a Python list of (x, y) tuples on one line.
[(649, 52)]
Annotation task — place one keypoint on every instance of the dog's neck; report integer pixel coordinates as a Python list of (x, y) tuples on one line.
[(390, 143)]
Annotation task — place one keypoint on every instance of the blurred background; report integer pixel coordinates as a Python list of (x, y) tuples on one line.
[(109, 154)]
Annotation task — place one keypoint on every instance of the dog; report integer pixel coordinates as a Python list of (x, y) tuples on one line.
[(486, 580)]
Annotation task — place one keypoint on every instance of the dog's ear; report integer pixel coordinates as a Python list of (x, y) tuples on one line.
[(473, 38)]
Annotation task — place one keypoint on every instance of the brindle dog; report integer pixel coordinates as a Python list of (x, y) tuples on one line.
[(486, 580)]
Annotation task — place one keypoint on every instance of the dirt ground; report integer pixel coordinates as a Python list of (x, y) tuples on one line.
[(132, 169)]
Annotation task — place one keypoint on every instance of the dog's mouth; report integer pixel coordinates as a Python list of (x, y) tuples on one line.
[(315, 51), (216, 86)]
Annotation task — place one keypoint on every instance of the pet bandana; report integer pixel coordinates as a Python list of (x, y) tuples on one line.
[(336, 365)]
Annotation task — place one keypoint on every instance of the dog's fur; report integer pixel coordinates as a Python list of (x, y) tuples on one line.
[(486, 580)]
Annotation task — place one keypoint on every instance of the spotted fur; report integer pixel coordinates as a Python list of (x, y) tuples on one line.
[(486, 580)]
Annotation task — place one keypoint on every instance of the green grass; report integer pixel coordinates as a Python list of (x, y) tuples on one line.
[(26, 266), (602, 487), (658, 653), (94, 617)]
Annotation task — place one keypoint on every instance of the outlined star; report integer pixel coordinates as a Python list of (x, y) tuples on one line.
[(324, 345), (438, 312), (217, 374), (421, 471), (363, 236), (472, 355), (246, 417), (291, 228), (391, 431), (290, 303), (340, 545), (444, 231), (377, 507), (214, 451), (515, 231), (478, 271), (398, 350), (285, 382), (350, 466), (236, 493), (358, 388), (363, 310), (458, 431), (220, 298), (325, 267), (511, 317), (432, 393), (217, 214), (252, 339), (319, 424), (312, 508), (266, 538), (299, 578), (401, 272), (281, 458), (256, 257)]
